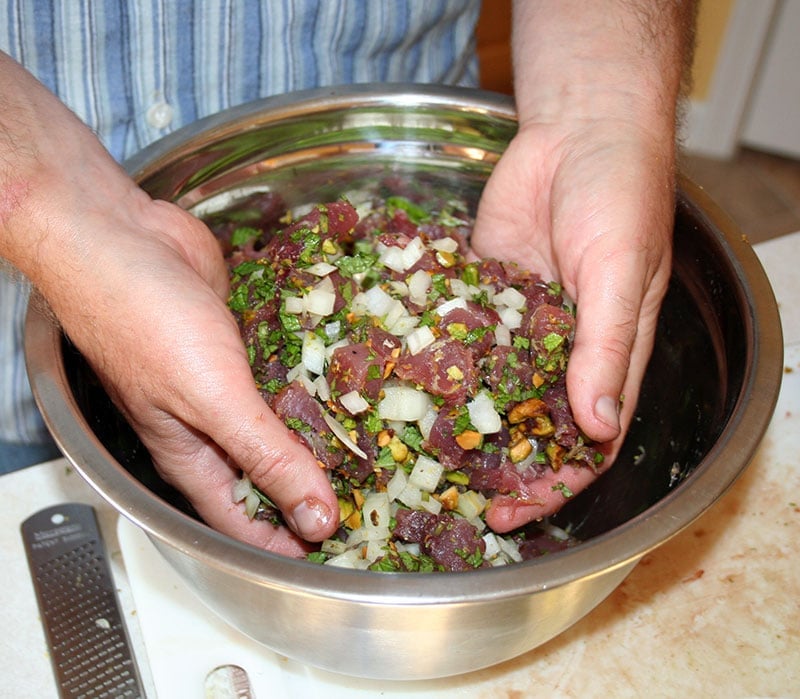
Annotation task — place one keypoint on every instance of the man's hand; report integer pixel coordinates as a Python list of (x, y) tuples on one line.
[(584, 195), (140, 286)]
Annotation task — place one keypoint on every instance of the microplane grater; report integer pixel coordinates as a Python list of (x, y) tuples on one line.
[(89, 645)]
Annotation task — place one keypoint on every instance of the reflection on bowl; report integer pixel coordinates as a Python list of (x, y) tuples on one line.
[(707, 398)]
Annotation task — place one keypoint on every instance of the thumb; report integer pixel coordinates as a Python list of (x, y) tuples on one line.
[(280, 466), (617, 305)]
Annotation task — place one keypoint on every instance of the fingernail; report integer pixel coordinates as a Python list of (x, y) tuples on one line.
[(309, 517), (606, 409)]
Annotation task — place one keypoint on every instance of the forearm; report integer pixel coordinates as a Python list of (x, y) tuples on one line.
[(620, 58), (50, 166)]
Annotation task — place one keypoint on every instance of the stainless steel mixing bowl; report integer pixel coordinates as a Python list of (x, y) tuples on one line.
[(706, 401)]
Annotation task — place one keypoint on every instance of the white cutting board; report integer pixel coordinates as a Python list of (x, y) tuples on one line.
[(185, 641)]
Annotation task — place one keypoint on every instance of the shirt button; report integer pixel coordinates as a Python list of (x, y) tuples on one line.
[(159, 116)]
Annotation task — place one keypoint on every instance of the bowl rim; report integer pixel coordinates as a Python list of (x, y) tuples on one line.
[(619, 547)]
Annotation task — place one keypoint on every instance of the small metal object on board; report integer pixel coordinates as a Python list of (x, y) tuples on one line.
[(89, 645), (228, 682)]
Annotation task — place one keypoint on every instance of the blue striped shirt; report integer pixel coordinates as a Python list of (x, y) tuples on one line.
[(134, 70)]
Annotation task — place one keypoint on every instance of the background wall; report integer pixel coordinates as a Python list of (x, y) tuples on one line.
[(712, 22), (735, 39), (494, 45), (494, 33)]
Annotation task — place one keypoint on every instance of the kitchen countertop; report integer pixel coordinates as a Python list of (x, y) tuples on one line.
[(714, 612)]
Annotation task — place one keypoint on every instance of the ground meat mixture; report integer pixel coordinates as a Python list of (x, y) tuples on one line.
[(425, 384)]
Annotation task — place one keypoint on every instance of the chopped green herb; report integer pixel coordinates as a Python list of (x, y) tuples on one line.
[(274, 385), (239, 300), (438, 286), (457, 477), (477, 334), (412, 437), (470, 274), (563, 488), (521, 342), (416, 213), (243, 235), (296, 424), (385, 458), (372, 423), (350, 265), (552, 341), (462, 421), (475, 559)]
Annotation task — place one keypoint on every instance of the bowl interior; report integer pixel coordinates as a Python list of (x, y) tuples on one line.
[(312, 151)]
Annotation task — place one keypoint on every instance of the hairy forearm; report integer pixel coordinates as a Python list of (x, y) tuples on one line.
[(32, 122), (587, 59), (56, 182)]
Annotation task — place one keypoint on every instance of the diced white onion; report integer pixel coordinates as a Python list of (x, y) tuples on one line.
[(554, 531), (353, 402), (492, 547), (349, 559), (312, 354), (296, 372), (396, 311), (294, 304), (377, 301), (470, 504), (413, 252), (334, 547), (375, 550), (320, 269), (308, 384), (530, 459), (404, 325), (510, 297), (419, 339), (342, 435), (510, 549), (510, 317), (396, 484), (419, 284), (413, 549), (482, 414), (502, 335), (411, 496), (356, 537), (251, 504), (425, 423), (321, 299), (463, 290), (376, 512), (333, 329), (330, 349), (444, 308), (444, 244), (399, 288), (241, 489), (358, 304), (426, 473), (393, 258), (322, 388), (403, 403), (431, 505)]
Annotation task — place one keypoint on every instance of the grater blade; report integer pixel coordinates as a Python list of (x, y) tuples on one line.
[(89, 645)]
